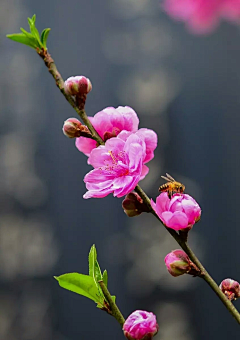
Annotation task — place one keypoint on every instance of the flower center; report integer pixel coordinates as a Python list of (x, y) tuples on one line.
[(118, 164)]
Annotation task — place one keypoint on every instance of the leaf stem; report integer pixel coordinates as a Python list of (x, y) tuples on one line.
[(49, 62), (114, 308)]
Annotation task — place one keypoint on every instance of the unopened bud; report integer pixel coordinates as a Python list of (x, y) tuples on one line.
[(72, 128), (230, 288), (77, 86), (140, 325), (133, 205), (177, 262)]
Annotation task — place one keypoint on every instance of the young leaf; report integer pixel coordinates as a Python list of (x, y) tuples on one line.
[(34, 30), (91, 259), (80, 284), (23, 39), (29, 35), (44, 36), (97, 272), (94, 268), (34, 18), (105, 277), (114, 298)]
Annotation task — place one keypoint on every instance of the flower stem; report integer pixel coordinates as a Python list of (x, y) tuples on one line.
[(52, 68), (204, 274), (114, 308), (49, 62)]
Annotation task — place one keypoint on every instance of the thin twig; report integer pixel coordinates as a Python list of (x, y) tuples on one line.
[(114, 308), (52, 68)]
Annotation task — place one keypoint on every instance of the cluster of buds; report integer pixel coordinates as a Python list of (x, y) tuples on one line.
[(178, 263), (73, 128), (140, 325), (133, 205), (230, 288)]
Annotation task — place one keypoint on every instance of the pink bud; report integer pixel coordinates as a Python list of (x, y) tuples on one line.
[(72, 128), (140, 325), (179, 212), (177, 262), (133, 205), (77, 86), (230, 288)]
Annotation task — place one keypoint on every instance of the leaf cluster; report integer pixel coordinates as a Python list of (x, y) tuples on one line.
[(32, 38), (87, 285)]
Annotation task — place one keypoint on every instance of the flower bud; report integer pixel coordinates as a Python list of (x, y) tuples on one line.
[(177, 262), (140, 325), (133, 205), (72, 128), (230, 288), (77, 86)]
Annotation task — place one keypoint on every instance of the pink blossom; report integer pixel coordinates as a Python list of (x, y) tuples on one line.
[(203, 16), (177, 262), (179, 212), (109, 123), (140, 325), (119, 164)]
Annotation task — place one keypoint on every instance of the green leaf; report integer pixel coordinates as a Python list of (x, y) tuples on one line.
[(34, 18), (94, 268), (105, 277), (80, 284), (92, 257), (29, 35), (33, 29), (97, 272), (114, 298), (44, 36), (23, 39)]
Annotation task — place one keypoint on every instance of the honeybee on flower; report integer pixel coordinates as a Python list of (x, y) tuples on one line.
[(171, 186)]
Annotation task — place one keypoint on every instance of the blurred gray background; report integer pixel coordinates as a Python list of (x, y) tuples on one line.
[(186, 88)]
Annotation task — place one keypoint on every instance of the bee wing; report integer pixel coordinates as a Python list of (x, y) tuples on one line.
[(166, 179), (170, 178)]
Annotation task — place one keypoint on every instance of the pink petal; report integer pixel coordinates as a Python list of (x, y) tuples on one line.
[(166, 216), (145, 171), (135, 149), (102, 121), (178, 221), (130, 117), (115, 145), (100, 157), (150, 139), (124, 135), (85, 145), (124, 185), (98, 176), (162, 203), (97, 193)]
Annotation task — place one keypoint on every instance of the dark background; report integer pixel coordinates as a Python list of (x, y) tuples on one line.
[(186, 88)]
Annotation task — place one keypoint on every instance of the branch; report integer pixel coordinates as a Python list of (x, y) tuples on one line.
[(204, 274), (49, 62), (114, 308), (52, 68)]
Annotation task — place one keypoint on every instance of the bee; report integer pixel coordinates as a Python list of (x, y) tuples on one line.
[(171, 186)]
